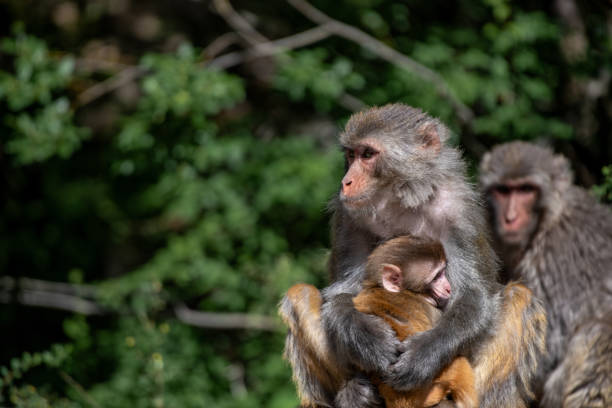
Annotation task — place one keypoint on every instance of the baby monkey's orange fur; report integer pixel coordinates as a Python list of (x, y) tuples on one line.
[(408, 313)]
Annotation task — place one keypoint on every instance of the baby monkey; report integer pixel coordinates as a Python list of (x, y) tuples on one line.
[(406, 286)]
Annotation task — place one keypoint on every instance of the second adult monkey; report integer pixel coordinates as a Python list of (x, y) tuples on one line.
[(402, 178), (556, 237)]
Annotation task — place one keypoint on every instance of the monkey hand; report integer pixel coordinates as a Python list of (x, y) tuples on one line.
[(358, 338), (371, 344), (417, 365)]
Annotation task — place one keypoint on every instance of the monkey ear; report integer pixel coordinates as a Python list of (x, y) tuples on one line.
[(564, 173), (430, 137), (484, 163), (391, 276)]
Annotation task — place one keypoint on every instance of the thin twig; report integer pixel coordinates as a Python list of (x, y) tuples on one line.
[(238, 23), (115, 82), (79, 388), (269, 48), (387, 53), (262, 46), (93, 64), (219, 44)]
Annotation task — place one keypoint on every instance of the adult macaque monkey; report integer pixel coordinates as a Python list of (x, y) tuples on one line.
[(404, 285), (402, 178), (558, 240)]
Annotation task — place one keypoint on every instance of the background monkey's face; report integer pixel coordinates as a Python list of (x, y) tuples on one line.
[(516, 215)]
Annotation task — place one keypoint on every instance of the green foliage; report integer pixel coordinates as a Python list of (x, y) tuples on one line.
[(226, 217), (306, 74), (179, 86), (496, 70), (604, 190), (27, 396), (47, 129), (48, 132), (36, 73)]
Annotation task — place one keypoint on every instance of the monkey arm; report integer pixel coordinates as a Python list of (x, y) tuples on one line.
[(508, 363), (357, 339), (471, 313), (584, 376), (320, 379), (316, 376)]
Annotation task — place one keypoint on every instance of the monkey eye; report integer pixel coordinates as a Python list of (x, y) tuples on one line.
[(369, 153), (526, 188), (350, 153), (502, 189), (439, 274)]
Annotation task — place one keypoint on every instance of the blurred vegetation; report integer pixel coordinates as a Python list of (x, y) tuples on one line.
[(152, 163)]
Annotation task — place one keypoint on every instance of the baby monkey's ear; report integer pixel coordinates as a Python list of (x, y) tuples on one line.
[(391, 277)]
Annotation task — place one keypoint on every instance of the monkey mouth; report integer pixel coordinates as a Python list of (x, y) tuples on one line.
[(512, 237), (357, 201), (439, 303)]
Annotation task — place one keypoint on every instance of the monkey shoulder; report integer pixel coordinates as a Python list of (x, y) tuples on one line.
[(584, 229), (588, 211), (452, 199), (567, 264), (584, 224), (516, 295)]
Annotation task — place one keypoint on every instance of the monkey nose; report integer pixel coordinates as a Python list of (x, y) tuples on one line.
[(510, 217), (510, 221)]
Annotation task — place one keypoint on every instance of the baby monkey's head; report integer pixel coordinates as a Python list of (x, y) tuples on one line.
[(410, 263)]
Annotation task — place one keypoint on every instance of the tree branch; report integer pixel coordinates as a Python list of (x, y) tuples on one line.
[(212, 320), (238, 23), (219, 44), (9, 283), (270, 48), (40, 298), (263, 46), (115, 82), (70, 298), (464, 113), (78, 388), (93, 64)]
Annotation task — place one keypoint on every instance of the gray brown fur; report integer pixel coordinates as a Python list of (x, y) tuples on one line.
[(584, 379), (567, 263), (508, 363)]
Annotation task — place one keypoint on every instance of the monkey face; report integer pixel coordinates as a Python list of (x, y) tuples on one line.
[(428, 276), (515, 204), (360, 181), (425, 276)]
